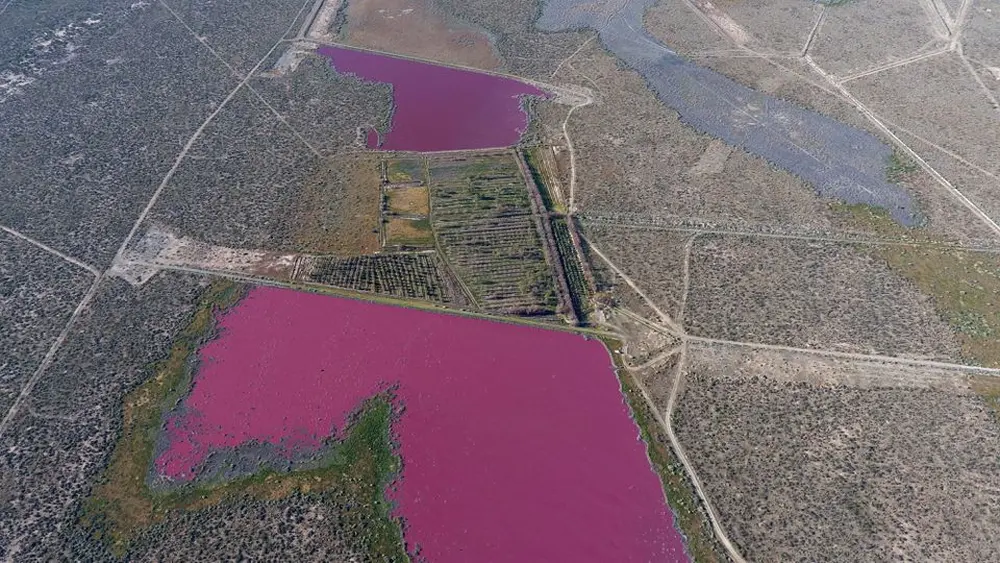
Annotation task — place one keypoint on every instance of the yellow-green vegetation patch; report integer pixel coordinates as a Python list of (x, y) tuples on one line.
[(411, 233), (875, 220), (409, 201), (989, 389), (965, 288), (357, 469), (690, 517), (963, 284), (404, 171), (899, 168)]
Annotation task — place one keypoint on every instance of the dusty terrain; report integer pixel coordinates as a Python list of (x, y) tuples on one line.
[(416, 28), (808, 459)]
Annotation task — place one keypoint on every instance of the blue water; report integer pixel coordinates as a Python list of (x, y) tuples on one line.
[(839, 161)]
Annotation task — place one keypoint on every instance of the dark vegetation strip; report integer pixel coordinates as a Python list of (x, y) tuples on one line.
[(690, 517), (354, 472), (579, 291), (534, 166), (549, 245)]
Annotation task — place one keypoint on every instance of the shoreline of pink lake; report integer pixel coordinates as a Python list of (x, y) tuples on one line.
[(516, 442), (440, 108)]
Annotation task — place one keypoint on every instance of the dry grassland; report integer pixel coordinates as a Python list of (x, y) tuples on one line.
[(409, 201), (416, 28), (409, 232), (338, 212), (654, 259), (949, 107)]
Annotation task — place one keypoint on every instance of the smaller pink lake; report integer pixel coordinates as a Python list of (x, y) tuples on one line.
[(517, 444), (439, 108)]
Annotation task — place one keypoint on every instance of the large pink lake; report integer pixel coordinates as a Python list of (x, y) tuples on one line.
[(438, 108), (516, 442)]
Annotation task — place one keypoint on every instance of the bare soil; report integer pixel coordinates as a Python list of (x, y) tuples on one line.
[(642, 343), (414, 27), (980, 40)]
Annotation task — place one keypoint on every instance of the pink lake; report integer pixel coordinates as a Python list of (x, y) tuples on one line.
[(439, 108), (516, 442)]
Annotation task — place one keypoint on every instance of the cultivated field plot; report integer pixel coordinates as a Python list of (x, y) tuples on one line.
[(809, 459), (481, 214), (38, 293), (405, 233), (406, 205), (408, 201), (412, 276), (405, 171), (810, 294), (579, 286), (418, 29)]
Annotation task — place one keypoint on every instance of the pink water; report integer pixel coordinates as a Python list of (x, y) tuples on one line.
[(440, 108), (516, 442)]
